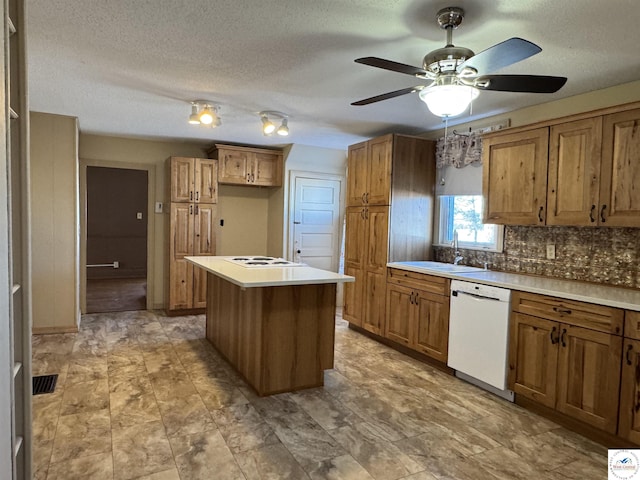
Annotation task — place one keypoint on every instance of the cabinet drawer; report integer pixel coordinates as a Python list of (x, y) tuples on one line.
[(587, 315), (632, 324), (427, 283)]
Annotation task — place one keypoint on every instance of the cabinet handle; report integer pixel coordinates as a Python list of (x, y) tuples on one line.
[(197, 210), (253, 177), (629, 350), (362, 213), (540, 214), (191, 195), (553, 340), (562, 310), (563, 337), (197, 196), (190, 209), (364, 196), (248, 177), (411, 298), (602, 219), (591, 217), (366, 213), (367, 197)]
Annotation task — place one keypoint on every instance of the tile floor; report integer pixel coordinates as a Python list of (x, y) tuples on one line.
[(144, 396)]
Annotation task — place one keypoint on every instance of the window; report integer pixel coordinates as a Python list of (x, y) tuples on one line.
[(463, 213)]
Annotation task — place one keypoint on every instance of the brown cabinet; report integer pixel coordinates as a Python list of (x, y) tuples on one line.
[(629, 418), (248, 166), (193, 180), (418, 312), (514, 177), (369, 172), (390, 183), (190, 230), (574, 171), (566, 355)]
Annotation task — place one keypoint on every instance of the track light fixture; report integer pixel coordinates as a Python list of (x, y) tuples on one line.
[(268, 127), (204, 112)]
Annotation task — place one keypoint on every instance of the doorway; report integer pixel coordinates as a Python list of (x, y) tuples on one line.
[(116, 239)]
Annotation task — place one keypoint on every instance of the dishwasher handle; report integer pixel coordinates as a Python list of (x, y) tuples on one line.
[(455, 293)]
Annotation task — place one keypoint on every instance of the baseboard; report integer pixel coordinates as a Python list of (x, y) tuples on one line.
[(403, 349), (607, 439), (53, 330), (181, 313)]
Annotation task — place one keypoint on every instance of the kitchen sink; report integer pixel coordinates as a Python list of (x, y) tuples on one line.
[(443, 267)]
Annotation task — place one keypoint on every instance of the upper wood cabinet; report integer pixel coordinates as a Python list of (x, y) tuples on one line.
[(587, 176), (514, 177), (248, 166), (193, 180), (620, 172), (369, 172), (574, 172)]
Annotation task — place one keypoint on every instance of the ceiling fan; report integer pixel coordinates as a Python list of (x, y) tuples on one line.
[(458, 74)]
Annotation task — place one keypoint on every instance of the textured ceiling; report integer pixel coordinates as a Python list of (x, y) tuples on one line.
[(130, 68)]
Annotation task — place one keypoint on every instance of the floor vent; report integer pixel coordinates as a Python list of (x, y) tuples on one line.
[(44, 384)]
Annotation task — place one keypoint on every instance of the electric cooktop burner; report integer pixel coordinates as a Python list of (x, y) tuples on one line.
[(257, 262)]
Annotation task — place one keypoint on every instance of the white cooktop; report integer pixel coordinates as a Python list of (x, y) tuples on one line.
[(260, 261)]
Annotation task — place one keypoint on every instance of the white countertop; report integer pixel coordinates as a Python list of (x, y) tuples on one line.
[(267, 276), (627, 298)]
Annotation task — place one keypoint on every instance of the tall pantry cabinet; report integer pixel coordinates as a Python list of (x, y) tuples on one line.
[(390, 196), (193, 192), (15, 252)]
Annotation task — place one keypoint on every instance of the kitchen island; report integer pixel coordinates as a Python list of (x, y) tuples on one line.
[(275, 324)]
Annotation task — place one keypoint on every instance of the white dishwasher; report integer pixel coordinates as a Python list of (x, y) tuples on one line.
[(479, 335)]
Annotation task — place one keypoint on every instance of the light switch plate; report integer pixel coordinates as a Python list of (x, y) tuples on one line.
[(551, 252), (158, 207)]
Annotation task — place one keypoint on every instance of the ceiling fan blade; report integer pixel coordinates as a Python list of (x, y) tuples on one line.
[(393, 66), (501, 55), (520, 83), (388, 95)]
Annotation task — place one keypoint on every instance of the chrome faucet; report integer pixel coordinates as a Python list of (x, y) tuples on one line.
[(458, 258)]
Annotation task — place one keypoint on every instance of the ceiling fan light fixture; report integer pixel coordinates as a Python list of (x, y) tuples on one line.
[(283, 129), (448, 100)]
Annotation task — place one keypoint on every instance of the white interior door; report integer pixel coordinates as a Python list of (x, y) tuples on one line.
[(316, 222)]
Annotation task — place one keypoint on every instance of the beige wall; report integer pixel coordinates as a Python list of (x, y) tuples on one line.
[(54, 215), (608, 97)]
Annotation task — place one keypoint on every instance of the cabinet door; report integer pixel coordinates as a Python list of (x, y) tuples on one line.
[(374, 301), (182, 179), (234, 167), (266, 170), (432, 325), (400, 309), (181, 245), (533, 354), (514, 177), (357, 167), (377, 239), (355, 244), (379, 178), (199, 288), (352, 310), (204, 242), (620, 170), (206, 181), (589, 376), (629, 419), (574, 172)]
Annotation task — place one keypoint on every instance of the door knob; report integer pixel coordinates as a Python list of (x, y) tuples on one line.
[(298, 251)]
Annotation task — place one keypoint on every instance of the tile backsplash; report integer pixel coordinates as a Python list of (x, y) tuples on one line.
[(601, 255)]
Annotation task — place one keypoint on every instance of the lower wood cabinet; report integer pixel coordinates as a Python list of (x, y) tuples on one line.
[(569, 361), (416, 317), (629, 417)]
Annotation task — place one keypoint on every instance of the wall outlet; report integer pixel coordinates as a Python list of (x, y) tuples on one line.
[(158, 207), (139, 215), (551, 252)]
